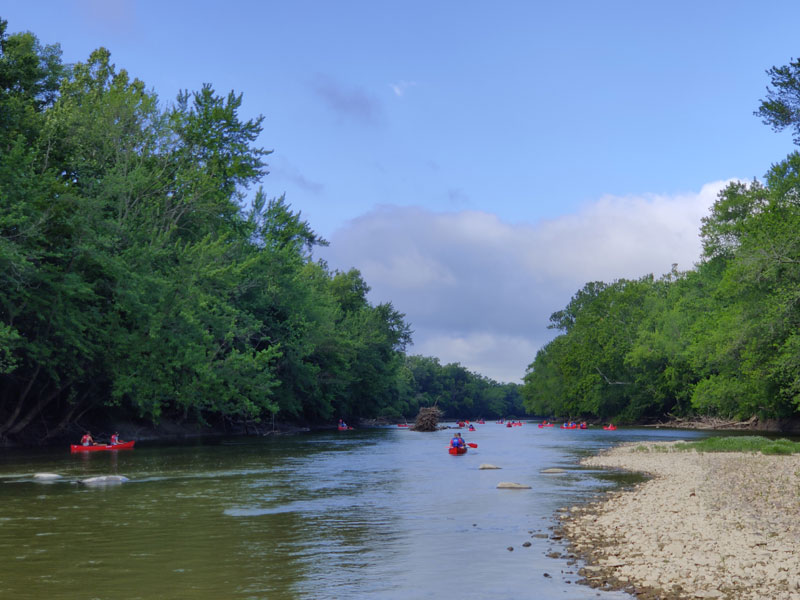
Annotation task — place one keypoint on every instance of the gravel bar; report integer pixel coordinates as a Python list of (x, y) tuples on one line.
[(705, 525)]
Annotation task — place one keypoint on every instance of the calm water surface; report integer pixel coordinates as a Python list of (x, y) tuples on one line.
[(376, 513)]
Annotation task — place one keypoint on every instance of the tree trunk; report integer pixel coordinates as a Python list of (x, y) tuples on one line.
[(20, 403), (38, 407)]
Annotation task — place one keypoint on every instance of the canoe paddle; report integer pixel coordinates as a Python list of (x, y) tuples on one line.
[(471, 445)]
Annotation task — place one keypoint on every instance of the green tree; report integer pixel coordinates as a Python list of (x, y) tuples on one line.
[(781, 108)]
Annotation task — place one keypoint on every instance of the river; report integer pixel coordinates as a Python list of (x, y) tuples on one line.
[(375, 513)]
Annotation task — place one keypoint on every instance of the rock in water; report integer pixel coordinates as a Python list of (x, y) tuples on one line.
[(507, 485), (105, 480), (46, 476), (554, 470), (488, 466)]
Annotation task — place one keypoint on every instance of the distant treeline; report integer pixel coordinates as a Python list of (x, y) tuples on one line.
[(722, 339), (457, 392), (134, 276)]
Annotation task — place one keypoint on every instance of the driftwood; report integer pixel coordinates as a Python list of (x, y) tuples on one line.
[(427, 419), (707, 423)]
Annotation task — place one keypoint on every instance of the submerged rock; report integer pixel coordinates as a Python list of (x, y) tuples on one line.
[(508, 485), (46, 476), (105, 480), (554, 470), (488, 466)]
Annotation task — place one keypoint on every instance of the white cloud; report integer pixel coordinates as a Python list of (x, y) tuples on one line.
[(480, 291)]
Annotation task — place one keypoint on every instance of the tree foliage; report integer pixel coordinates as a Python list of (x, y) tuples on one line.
[(721, 339), (134, 276), (457, 392), (781, 108)]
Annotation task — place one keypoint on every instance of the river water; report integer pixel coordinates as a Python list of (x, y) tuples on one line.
[(376, 513)]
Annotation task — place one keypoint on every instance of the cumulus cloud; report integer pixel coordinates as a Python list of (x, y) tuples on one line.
[(353, 103), (480, 291)]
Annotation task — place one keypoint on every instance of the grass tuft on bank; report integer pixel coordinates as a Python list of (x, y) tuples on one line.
[(745, 443)]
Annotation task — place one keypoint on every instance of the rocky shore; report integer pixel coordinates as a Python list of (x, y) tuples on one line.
[(706, 525)]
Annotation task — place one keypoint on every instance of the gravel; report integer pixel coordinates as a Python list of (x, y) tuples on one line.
[(706, 525)]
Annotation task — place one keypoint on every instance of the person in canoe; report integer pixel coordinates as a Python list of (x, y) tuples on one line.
[(457, 441), (87, 440), (115, 439)]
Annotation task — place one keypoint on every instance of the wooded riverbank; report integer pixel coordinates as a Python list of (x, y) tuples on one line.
[(707, 525)]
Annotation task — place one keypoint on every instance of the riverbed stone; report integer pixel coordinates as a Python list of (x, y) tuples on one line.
[(46, 476), (105, 480), (509, 485), (485, 466), (554, 470)]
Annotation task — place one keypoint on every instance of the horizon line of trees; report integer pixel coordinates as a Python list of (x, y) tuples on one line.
[(722, 339)]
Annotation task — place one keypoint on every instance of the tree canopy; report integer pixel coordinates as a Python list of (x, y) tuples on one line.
[(721, 339), (145, 272)]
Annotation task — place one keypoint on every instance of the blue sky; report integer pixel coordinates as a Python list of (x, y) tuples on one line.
[(478, 162)]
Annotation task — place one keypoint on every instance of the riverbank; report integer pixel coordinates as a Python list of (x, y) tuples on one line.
[(166, 430), (707, 525), (787, 425)]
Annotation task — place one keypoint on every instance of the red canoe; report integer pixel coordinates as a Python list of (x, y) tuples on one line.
[(99, 447), (455, 451), (610, 427)]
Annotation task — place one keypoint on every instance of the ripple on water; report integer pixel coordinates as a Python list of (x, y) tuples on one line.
[(257, 512)]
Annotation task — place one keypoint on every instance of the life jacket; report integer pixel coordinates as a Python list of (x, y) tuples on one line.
[(114, 439), (455, 442), (85, 440)]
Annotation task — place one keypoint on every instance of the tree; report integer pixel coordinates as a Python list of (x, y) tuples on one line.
[(781, 109)]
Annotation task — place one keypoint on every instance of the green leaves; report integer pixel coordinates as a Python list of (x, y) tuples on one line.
[(721, 339), (131, 275), (781, 109), (457, 392)]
